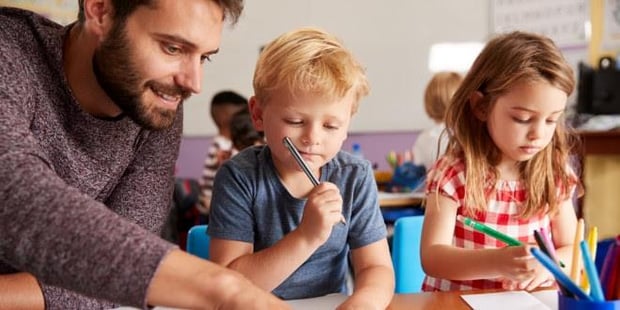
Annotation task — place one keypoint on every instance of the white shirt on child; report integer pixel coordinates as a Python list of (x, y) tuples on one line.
[(425, 146)]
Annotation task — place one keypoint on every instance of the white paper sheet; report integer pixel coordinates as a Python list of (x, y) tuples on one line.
[(330, 301), (511, 300)]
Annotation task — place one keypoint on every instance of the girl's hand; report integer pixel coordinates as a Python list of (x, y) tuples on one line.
[(516, 264), (322, 211), (541, 277)]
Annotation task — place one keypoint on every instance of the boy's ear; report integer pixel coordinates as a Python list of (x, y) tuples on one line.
[(474, 102), (98, 17), (256, 113)]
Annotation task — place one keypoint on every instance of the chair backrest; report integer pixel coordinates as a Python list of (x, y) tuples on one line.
[(406, 254), (198, 241)]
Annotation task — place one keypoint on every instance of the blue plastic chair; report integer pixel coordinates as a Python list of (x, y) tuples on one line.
[(406, 254), (198, 241)]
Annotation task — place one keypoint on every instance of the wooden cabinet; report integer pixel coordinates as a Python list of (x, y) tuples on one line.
[(600, 162)]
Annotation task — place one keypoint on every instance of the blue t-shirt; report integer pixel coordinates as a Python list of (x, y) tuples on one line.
[(250, 204)]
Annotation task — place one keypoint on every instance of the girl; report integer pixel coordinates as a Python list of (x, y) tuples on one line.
[(506, 165)]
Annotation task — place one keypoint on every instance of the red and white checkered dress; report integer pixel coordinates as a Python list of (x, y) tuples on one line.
[(501, 214)]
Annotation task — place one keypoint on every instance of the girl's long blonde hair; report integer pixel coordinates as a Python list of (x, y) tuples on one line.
[(506, 60)]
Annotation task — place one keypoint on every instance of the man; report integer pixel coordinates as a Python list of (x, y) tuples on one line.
[(91, 120)]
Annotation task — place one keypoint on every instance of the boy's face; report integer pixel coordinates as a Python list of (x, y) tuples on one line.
[(149, 65), (317, 127)]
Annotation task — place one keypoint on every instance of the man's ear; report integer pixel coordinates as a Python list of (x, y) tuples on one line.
[(475, 100), (257, 113), (98, 17)]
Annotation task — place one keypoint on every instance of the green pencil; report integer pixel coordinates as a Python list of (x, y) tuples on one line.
[(489, 231)]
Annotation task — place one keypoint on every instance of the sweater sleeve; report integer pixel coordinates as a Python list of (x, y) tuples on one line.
[(142, 196), (68, 239)]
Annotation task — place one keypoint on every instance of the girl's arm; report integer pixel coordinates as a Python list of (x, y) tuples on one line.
[(441, 259), (563, 228)]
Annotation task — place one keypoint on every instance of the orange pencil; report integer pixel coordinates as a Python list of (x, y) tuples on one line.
[(575, 267)]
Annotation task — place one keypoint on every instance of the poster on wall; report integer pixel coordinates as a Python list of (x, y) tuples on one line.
[(565, 21), (60, 11), (611, 28)]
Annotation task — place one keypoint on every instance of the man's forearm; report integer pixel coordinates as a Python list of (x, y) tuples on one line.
[(20, 291), (186, 281)]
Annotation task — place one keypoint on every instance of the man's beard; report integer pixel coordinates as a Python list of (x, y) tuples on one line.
[(117, 75)]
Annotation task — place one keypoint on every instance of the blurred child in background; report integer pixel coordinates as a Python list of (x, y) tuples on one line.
[(432, 141), (224, 105), (242, 131)]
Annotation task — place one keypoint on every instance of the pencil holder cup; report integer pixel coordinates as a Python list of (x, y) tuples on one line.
[(569, 303)]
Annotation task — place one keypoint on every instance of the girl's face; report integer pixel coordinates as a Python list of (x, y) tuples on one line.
[(522, 122), (316, 127)]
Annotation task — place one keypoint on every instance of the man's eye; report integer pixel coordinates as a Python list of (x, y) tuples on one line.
[(205, 57), (172, 49)]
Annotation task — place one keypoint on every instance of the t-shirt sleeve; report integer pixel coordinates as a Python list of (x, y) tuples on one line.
[(231, 205), (367, 225), (446, 178)]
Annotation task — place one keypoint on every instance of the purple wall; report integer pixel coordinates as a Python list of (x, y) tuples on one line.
[(374, 146)]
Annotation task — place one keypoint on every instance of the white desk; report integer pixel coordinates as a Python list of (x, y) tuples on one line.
[(424, 301)]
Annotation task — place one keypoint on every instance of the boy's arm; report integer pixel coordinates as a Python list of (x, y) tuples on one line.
[(374, 277), (267, 268)]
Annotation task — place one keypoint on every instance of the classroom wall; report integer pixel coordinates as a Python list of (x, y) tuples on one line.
[(374, 146), (391, 38)]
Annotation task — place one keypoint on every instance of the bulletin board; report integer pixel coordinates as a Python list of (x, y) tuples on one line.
[(564, 21), (61, 11)]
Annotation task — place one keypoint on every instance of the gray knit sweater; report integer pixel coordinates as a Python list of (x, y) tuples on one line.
[(81, 198)]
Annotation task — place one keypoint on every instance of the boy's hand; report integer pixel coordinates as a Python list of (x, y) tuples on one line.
[(322, 211)]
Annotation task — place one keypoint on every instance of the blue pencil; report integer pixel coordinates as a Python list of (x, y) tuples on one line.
[(559, 275), (596, 291)]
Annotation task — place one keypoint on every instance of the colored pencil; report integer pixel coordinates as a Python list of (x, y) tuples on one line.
[(489, 231), (575, 266), (550, 247), (588, 264), (559, 275)]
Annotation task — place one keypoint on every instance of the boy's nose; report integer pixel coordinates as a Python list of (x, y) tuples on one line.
[(311, 136)]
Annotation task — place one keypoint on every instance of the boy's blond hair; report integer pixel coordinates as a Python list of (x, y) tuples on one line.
[(309, 60), (439, 92)]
